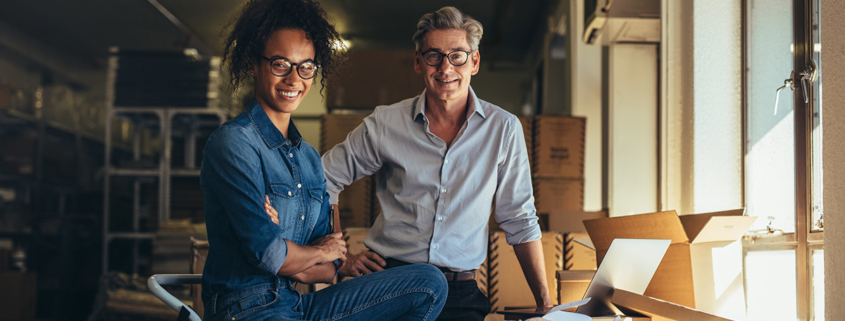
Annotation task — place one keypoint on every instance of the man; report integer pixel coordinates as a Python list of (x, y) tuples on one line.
[(443, 159)]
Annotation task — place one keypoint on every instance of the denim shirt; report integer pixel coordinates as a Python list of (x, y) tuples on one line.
[(243, 160)]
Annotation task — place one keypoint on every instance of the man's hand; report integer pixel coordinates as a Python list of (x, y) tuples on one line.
[(332, 246), (362, 263)]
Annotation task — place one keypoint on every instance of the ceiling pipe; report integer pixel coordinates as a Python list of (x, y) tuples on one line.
[(204, 49)]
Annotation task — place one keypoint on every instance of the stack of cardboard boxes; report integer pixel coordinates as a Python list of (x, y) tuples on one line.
[(558, 164), (506, 282), (356, 200)]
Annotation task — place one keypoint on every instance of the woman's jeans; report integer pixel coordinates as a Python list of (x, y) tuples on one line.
[(413, 292)]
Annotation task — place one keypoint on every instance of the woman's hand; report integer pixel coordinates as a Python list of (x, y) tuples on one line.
[(332, 246), (274, 216)]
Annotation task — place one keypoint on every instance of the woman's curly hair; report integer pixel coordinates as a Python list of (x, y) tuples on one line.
[(260, 18)]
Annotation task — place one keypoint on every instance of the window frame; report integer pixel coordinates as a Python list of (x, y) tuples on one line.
[(805, 239)]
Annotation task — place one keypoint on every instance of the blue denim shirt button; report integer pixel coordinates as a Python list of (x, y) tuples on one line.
[(298, 185), (302, 218), (291, 155), (289, 193)]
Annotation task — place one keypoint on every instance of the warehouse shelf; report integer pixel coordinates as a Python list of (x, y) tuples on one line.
[(127, 98)]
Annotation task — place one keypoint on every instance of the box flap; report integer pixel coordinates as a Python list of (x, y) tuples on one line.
[(716, 227), (586, 242), (571, 221), (660, 225), (659, 309), (575, 275)]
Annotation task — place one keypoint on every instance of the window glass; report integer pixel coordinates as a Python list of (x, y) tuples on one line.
[(770, 146), (770, 285)]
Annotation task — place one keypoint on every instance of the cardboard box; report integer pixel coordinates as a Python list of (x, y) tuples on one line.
[(559, 147), (571, 221), (577, 252), (356, 200), (334, 128), (673, 280), (355, 204), (18, 297), (558, 194), (481, 277), (573, 284), (375, 77), (658, 310), (507, 284)]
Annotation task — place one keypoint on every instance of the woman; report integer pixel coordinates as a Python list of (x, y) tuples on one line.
[(253, 262)]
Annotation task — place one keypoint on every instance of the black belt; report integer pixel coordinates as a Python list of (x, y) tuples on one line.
[(450, 275)]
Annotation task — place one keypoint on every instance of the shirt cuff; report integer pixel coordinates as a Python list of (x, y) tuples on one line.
[(275, 255), (336, 266), (529, 233)]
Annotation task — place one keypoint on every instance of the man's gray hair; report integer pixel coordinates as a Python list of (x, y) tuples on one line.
[(449, 18)]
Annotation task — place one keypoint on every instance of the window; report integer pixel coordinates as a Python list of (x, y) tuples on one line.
[(783, 176)]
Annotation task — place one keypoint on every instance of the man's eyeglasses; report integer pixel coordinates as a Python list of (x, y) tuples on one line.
[(456, 58), (282, 66)]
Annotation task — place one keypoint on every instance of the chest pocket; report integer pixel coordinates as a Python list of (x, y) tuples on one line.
[(315, 203), (285, 199)]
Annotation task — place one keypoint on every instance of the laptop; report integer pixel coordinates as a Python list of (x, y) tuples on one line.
[(629, 264)]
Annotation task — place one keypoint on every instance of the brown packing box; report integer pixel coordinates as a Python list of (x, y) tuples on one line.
[(673, 280), (573, 284), (389, 75), (558, 194), (559, 147), (658, 310), (571, 221), (18, 299), (576, 255), (507, 285), (717, 260), (355, 204), (335, 128), (356, 200)]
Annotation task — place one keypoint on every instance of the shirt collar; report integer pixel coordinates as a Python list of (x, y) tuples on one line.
[(474, 105), (271, 135)]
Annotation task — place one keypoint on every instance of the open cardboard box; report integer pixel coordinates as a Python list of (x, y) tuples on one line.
[(674, 280), (658, 310), (637, 307)]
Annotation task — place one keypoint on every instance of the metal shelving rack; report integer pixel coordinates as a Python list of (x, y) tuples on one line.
[(163, 119)]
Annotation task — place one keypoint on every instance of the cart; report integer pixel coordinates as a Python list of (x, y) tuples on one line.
[(156, 281)]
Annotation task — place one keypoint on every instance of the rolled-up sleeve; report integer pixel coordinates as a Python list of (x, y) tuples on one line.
[(515, 211), (355, 157), (231, 174)]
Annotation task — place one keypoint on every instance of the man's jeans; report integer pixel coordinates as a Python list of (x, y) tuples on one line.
[(413, 292)]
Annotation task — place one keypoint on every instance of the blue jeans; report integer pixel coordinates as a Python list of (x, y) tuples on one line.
[(413, 292)]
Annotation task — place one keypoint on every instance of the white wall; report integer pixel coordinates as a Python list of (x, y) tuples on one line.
[(717, 161), (833, 104), (586, 65), (701, 132)]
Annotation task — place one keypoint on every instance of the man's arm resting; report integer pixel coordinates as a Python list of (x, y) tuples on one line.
[(530, 256)]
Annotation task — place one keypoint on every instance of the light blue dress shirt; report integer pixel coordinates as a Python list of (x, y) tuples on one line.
[(436, 200)]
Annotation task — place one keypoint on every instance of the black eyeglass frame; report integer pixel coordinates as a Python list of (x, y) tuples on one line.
[(423, 53), (292, 64)]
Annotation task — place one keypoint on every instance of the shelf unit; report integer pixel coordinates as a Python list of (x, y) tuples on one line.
[(162, 119)]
